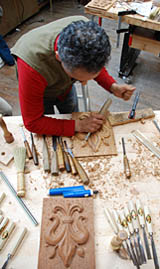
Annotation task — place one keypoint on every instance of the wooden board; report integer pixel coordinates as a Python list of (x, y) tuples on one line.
[(102, 4), (5, 154), (67, 234), (101, 143), (122, 117)]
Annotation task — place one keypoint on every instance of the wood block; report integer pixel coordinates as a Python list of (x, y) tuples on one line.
[(122, 117), (5, 155), (67, 234), (101, 143)]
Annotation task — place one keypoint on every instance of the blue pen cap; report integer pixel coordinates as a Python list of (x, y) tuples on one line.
[(60, 191)]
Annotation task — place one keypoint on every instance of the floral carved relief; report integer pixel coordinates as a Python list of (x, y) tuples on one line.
[(67, 232)]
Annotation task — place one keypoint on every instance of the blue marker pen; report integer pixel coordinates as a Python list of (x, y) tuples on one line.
[(60, 191), (79, 193)]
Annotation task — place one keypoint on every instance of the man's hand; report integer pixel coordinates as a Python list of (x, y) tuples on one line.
[(123, 91), (90, 124)]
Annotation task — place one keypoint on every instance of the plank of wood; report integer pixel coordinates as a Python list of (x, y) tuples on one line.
[(67, 234), (5, 155), (100, 143), (122, 117)]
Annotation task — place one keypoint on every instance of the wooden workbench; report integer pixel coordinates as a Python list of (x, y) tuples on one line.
[(106, 175)]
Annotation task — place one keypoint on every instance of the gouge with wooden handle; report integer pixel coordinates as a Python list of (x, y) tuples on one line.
[(103, 111), (127, 170), (66, 159), (46, 164), (61, 165), (54, 160), (28, 150), (34, 151), (78, 166)]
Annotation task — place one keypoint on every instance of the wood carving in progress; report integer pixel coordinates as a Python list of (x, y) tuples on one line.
[(67, 234), (99, 143), (102, 4)]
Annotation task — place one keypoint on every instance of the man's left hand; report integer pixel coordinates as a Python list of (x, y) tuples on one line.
[(123, 91)]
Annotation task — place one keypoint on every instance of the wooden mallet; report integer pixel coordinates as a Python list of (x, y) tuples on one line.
[(7, 135)]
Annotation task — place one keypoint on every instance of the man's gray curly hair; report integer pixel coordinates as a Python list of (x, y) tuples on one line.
[(84, 45)]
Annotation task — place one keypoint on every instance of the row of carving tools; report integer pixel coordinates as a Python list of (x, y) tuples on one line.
[(134, 219), (6, 229), (62, 158)]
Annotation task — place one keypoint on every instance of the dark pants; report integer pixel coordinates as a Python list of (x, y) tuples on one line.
[(69, 105)]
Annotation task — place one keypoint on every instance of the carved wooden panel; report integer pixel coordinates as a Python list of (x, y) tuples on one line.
[(102, 4), (67, 234), (100, 143)]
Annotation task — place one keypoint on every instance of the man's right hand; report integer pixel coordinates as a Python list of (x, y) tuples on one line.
[(90, 124)]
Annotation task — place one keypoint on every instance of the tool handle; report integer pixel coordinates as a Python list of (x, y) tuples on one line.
[(7, 135), (127, 169), (34, 153), (110, 220), (28, 150), (148, 219), (105, 107), (3, 224), (54, 163), (133, 215), (5, 235), (46, 164), (140, 213), (3, 195), (20, 239), (66, 162), (73, 168), (60, 158), (117, 220), (83, 175), (20, 184), (129, 220), (123, 221)]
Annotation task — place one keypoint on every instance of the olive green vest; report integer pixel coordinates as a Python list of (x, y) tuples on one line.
[(36, 48)]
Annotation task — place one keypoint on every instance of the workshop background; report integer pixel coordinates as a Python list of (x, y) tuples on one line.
[(29, 15)]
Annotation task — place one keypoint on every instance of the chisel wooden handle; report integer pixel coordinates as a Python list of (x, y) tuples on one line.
[(66, 162), (81, 171), (34, 151), (21, 237), (54, 163), (5, 235), (7, 135), (73, 168), (46, 165), (28, 150), (127, 170), (148, 219), (61, 165), (20, 184)]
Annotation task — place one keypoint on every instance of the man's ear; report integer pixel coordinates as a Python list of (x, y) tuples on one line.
[(57, 56)]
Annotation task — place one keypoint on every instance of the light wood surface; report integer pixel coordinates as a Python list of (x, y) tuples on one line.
[(106, 175)]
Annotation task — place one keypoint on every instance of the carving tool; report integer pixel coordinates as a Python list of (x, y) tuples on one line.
[(103, 111), (66, 159), (127, 170), (61, 165), (131, 230), (15, 248), (7, 135), (5, 179), (28, 150), (19, 159), (73, 168), (79, 193), (54, 160), (133, 110), (34, 151), (3, 195), (156, 124), (3, 224), (46, 164), (60, 191), (6, 234), (136, 229), (146, 142), (83, 175), (142, 224), (120, 228), (148, 220)]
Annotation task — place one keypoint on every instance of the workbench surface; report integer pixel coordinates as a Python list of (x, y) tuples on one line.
[(106, 175)]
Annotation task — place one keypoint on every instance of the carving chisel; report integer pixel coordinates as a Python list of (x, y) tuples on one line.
[(103, 111), (28, 150), (34, 152), (66, 159), (83, 175), (16, 246), (156, 124), (54, 160), (127, 170), (73, 168), (133, 110), (136, 229), (61, 165), (148, 220), (46, 164), (6, 234), (140, 213)]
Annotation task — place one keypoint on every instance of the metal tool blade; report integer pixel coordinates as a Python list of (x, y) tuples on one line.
[(146, 244), (6, 262), (134, 254), (155, 258), (23, 134), (156, 124), (54, 142), (141, 249), (68, 149)]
